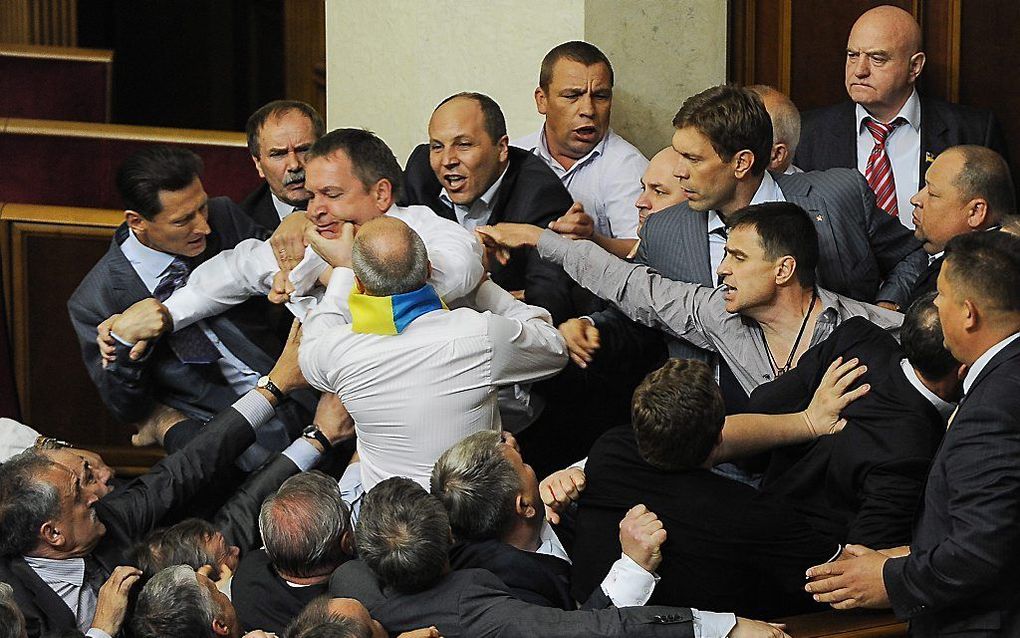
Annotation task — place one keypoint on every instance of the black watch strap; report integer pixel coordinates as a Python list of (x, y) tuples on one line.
[(313, 432)]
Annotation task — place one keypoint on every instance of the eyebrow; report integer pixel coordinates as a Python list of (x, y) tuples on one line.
[(735, 252)]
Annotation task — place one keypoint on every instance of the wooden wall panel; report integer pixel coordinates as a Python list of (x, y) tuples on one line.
[(305, 51), (66, 83)]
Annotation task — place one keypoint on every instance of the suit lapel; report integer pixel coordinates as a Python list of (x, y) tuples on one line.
[(121, 273), (797, 191), (934, 138), (58, 615)]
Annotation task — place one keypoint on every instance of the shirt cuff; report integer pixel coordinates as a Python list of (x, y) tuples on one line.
[(710, 624), (580, 464), (255, 408), (303, 453), (123, 342), (97, 633), (628, 584)]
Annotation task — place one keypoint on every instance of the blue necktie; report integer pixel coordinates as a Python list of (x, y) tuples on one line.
[(190, 344)]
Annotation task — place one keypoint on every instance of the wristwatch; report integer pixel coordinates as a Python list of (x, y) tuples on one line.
[(266, 383), (313, 432)]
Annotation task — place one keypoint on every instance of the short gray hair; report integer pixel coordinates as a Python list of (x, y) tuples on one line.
[(785, 119), (174, 603), (478, 485), (12, 622), (26, 501), (182, 544), (303, 525), (384, 271)]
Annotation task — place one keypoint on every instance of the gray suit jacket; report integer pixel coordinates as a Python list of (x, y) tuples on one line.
[(474, 602), (864, 253)]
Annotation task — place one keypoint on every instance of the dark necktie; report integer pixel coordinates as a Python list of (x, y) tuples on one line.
[(190, 344), (879, 169)]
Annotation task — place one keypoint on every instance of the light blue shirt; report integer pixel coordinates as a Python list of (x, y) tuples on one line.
[(477, 213)]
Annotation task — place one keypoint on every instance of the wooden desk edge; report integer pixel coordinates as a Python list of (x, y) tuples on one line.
[(45, 52)]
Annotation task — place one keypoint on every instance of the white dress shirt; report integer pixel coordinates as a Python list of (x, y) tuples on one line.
[(15, 438), (944, 407), (283, 209), (478, 212), (415, 394), (607, 181), (248, 269), (903, 146)]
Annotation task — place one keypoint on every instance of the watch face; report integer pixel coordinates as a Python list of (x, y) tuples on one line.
[(262, 382)]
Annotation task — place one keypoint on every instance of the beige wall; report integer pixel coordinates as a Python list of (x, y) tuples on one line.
[(389, 62)]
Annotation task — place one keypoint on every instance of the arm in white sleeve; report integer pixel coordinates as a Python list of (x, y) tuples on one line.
[(525, 345), (628, 584), (224, 281), (97, 633), (255, 408), (711, 624), (455, 254), (332, 310)]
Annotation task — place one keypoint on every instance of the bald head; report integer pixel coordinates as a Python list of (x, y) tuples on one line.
[(785, 126), (883, 61), (389, 258)]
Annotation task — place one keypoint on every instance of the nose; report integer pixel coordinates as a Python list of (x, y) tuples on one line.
[(293, 161), (202, 227), (863, 67), (916, 198), (724, 267), (680, 171), (449, 157), (586, 105), (643, 201)]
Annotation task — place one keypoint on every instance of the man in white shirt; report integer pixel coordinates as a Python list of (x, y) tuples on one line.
[(279, 136), (600, 169), (415, 376), (887, 131)]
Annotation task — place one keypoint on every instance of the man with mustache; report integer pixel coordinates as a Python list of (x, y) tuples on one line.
[(279, 135)]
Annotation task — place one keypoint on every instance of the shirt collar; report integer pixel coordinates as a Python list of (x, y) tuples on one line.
[(551, 544), (65, 570), (936, 256), (982, 361), (910, 111), (944, 407), (485, 198), (149, 263), (768, 191), (543, 151), (283, 209)]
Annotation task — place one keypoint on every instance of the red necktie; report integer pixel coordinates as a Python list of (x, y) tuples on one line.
[(879, 169)]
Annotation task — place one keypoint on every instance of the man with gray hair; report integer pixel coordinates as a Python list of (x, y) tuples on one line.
[(306, 529), (181, 602), (497, 517), (785, 128), (12, 622), (415, 376)]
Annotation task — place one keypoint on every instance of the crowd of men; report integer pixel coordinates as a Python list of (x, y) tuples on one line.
[(753, 383)]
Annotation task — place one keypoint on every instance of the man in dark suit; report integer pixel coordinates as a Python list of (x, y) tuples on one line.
[(403, 537), (957, 576), (170, 226), (886, 123), (967, 188), (496, 514), (58, 542), (279, 135), (468, 173), (307, 533)]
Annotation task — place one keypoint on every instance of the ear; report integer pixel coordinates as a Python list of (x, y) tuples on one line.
[(135, 221), (360, 286), (347, 543), (787, 270), (779, 154), (916, 65), (962, 371), (977, 212), (541, 100), (51, 535), (220, 628), (523, 507), (504, 148), (258, 166), (742, 163), (430, 271), (972, 316), (382, 193)]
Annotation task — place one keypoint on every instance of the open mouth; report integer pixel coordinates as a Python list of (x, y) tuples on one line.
[(586, 132), (453, 181)]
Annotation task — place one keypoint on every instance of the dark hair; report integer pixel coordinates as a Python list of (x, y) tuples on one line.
[(26, 501), (372, 158), (733, 119), (153, 169), (279, 108), (783, 229), (404, 535), (677, 414), (986, 266), (303, 526), (492, 115), (577, 50), (985, 174), (316, 621), (182, 544), (922, 341), (478, 485)]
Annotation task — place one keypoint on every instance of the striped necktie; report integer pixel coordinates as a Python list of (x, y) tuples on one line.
[(879, 169)]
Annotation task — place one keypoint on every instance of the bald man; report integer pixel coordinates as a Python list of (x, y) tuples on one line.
[(785, 128), (887, 131)]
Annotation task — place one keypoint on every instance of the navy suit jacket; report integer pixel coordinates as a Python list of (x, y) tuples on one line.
[(960, 576), (829, 136), (530, 193)]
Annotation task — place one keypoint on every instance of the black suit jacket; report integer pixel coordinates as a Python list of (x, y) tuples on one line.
[(473, 602), (863, 484), (960, 576), (132, 512), (131, 388), (530, 193), (928, 281), (829, 135), (265, 601), (259, 206), (729, 547)]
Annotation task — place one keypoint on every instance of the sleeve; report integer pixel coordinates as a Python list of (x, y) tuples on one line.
[(627, 584), (322, 344), (454, 253), (888, 498), (223, 281), (901, 258), (981, 510), (682, 309), (623, 186), (525, 345)]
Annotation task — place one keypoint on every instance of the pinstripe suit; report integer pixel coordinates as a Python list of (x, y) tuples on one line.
[(864, 254)]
